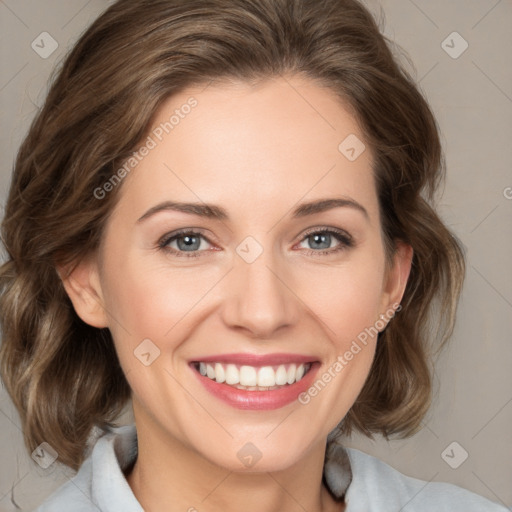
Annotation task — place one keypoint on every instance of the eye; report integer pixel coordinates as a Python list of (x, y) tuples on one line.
[(189, 243), (185, 243), (323, 238)]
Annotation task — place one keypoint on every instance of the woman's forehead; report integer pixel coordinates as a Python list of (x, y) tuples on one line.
[(281, 140)]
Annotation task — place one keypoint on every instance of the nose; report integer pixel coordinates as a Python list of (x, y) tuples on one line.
[(258, 297)]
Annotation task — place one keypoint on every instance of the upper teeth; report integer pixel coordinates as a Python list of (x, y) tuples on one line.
[(264, 376)]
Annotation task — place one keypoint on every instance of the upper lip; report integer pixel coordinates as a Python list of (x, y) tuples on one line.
[(256, 359)]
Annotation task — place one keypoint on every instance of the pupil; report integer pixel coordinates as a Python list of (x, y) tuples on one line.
[(189, 242), (325, 238)]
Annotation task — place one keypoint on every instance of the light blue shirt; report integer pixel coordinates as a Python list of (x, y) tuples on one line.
[(369, 484)]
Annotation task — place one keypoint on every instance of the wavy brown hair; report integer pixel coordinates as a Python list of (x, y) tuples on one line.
[(64, 375)]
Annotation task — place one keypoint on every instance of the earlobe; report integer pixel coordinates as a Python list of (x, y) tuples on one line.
[(399, 273), (82, 284)]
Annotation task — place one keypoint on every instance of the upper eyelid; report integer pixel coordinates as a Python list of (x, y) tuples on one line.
[(183, 232)]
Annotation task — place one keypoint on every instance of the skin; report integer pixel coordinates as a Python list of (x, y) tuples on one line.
[(258, 152)]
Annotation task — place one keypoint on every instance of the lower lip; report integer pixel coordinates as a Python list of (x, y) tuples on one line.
[(258, 400)]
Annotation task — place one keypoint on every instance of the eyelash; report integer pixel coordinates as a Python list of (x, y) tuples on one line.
[(343, 237)]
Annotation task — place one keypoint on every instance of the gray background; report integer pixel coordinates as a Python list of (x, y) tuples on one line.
[(472, 99)]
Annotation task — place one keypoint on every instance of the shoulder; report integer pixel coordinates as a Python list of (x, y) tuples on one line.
[(100, 485), (382, 488), (75, 495)]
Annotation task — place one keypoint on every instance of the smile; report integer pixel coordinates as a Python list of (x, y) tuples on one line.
[(253, 378), (254, 381)]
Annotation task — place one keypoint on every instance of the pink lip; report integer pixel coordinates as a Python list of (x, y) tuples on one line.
[(258, 400), (256, 360)]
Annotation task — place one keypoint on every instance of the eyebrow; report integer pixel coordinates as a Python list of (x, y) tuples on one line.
[(212, 211)]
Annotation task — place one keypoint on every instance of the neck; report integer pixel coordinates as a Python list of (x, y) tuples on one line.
[(170, 476)]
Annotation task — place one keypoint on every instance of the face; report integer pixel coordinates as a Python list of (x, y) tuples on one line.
[(257, 287)]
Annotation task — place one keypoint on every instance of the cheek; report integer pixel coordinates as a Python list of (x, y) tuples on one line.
[(348, 308), (347, 299), (153, 301)]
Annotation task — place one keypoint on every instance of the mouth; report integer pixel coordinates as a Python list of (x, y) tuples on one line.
[(247, 381), (253, 378)]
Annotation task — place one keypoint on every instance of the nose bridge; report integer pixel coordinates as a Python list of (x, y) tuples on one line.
[(259, 300)]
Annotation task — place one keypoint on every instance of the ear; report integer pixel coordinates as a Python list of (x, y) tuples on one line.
[(397, 275), (82, 284)]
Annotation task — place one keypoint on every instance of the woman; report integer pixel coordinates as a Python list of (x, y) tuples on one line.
[(222, 212)]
